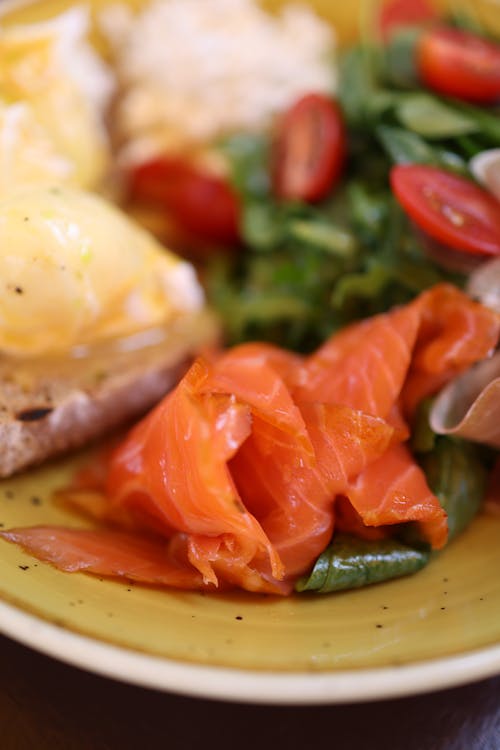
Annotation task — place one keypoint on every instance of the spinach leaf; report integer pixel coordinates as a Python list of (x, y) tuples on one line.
[(487, 120), (361, 97), (399, 64), (248, 156), (457, 475), (260, 224), (406, 147), (351, 563), (433, 118), (324, 236)]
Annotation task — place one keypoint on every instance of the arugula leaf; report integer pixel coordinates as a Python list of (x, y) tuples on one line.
[(248, 156), (323, 236), (351, 563), (432, 117), (405, 147), (260, 224), (487, 120), (368, 210), (399, 64), (362, 99)]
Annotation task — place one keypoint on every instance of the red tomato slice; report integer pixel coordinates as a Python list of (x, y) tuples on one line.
[(309, 149), (450, 209), (200, 203), (398, 13), (459, 63)]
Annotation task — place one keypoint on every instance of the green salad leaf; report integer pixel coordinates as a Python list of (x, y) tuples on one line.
[(351, 563), (431, 117), (400, 67), (406, 147)]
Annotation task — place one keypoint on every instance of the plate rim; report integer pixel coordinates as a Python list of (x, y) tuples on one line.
[(264, 687)]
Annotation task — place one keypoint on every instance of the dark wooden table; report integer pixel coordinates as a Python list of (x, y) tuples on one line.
[(45, 705)]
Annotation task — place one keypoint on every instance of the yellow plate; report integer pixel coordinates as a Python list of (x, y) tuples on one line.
[(374, 642), (436, 629)]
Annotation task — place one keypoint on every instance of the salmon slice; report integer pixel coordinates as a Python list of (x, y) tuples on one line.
[(254, 375), (348, 521), (455, 332), (410, 352), (174, 465), (363, 366), (294, 501), (107, 553), (393, 489)]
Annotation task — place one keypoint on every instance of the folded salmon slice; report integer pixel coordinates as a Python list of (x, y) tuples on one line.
[(454, 333), (174, 464), (392, 490), (293, 500), (365, 365), (401, 356)]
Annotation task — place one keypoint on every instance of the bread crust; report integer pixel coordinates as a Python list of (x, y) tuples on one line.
[(49, 407)]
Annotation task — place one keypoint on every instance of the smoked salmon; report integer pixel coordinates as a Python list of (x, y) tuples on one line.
[(241, 475)]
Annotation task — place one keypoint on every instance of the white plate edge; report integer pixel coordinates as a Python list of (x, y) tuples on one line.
[(245, 686)]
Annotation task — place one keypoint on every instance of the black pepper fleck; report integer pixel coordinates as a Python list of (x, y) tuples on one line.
[(9, 494), (445, 580), (35, 500), (378, 625), (238, 617), (443, 608), (2, 525), (384, 606), (481, 599), (24, 567), (26, 218), (33, 415)]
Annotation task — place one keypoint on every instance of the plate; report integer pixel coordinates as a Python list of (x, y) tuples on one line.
[(433, 630), (438, 628)]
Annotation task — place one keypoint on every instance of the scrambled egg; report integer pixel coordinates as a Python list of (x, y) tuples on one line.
[(53, 93), (76, 271)]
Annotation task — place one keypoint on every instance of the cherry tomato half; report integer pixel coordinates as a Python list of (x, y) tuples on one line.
[(200, 203), (309, 149), (460, 64), (450, 209), (398, 13)]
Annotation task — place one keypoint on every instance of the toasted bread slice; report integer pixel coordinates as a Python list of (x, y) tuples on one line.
[(50, 406)]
